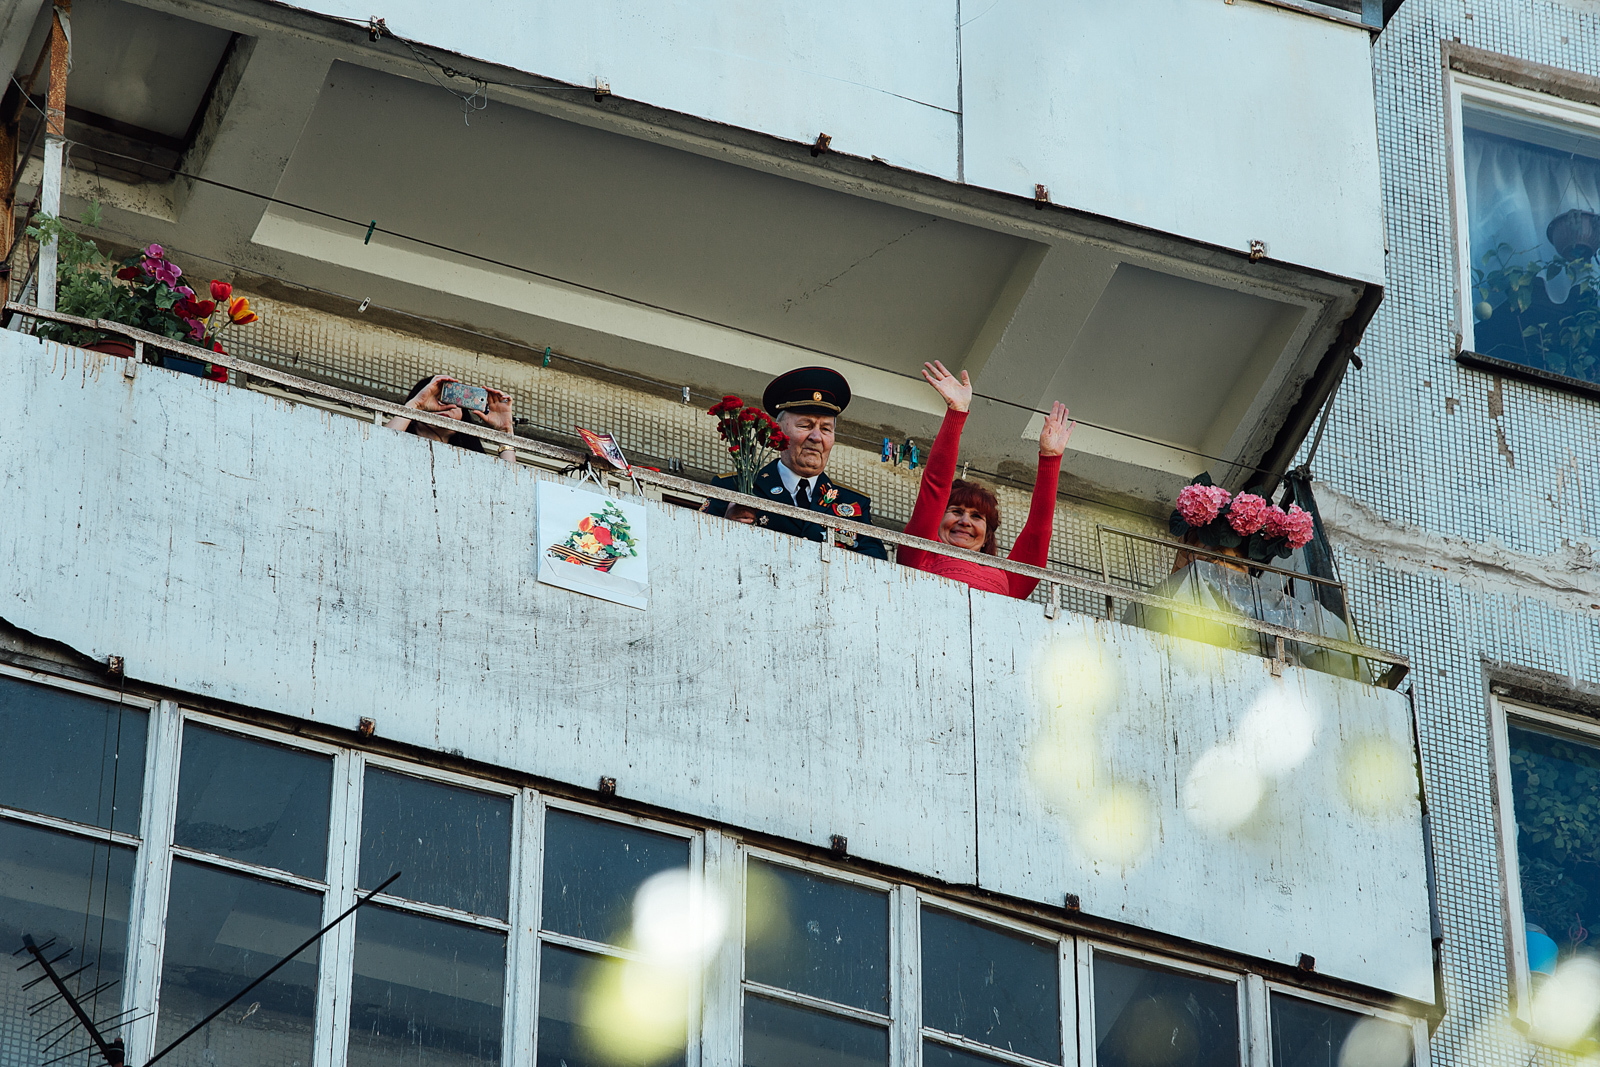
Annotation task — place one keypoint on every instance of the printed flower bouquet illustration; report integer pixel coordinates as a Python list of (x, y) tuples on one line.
[(601, 539)]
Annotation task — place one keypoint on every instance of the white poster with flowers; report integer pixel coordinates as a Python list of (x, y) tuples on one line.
[(592, 543)]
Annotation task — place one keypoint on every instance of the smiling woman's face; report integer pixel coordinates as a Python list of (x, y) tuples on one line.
[(963, 528)]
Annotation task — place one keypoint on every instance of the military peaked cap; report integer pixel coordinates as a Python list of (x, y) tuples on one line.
[(807, 391)]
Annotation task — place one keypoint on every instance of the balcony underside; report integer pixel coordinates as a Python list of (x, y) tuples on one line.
[(268, 555), (710, 257)]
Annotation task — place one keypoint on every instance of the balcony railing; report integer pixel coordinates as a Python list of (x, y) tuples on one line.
[(1125, 596)]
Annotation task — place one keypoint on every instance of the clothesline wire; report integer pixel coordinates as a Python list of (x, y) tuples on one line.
[(490, 260), (870, 444)]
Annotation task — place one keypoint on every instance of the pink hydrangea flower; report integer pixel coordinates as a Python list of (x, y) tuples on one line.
[(1295, 525), (1201, 504), (1298, 527), (1247, 514)]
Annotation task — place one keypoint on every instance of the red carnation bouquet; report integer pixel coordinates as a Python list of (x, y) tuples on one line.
[(753, 437)]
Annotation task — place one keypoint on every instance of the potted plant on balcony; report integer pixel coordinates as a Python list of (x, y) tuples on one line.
[(1245, 526), (143, 291)]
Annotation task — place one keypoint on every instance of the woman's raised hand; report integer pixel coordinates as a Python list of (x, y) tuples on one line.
[(1053, 438), (429, 399), (957, 394), (499, 413)]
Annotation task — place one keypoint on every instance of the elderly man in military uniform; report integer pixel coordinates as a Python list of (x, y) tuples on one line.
[(806, 404)]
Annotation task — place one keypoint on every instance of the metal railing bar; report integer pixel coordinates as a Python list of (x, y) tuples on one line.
[(685, 485)]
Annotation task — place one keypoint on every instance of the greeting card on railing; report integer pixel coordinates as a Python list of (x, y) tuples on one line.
[(594, 544)]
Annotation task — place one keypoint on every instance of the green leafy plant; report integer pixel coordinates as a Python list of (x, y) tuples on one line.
[(1563, 338), (1557, 786), (142, 292)]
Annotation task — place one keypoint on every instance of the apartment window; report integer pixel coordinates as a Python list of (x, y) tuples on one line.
[(1145, 1013), (184, 855), (988, 990), (816, 969), (430, 952), (594, 950), (1554, 778), (1310, 1034), (1529, 182), (71, 785), (248, 878)]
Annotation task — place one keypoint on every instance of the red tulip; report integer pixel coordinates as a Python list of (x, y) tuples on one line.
[(221, 291)]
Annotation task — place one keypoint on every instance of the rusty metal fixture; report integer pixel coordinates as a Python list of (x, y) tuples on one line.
[(1306, 963), (1575, 234), (608, 787), (602, 89), (367, 727), (1074, 903), (821, 144), (115, 666), (1041, 195), (377, 28), (1258, 251), (56, 98), (839, 845)]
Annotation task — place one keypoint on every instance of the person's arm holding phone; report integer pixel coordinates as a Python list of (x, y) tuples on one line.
[(430, 399)]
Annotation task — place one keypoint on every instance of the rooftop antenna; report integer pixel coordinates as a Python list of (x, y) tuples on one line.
[(112, 1050)]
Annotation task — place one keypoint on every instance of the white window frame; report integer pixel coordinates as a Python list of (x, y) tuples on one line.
[(1418, 1027), (1089, 1039), (1066, 984), (141, 844), (1518, 975), (894, 1020), (716, 1012), (1464, 89), (541, 937)]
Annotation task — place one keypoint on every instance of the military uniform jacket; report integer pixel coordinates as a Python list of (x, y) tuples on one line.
[(828, 498)]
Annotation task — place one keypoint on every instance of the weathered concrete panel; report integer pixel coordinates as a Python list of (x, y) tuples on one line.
[(1226, 123), (880, 79), (1182, 788), (309, 565), (264, 553)]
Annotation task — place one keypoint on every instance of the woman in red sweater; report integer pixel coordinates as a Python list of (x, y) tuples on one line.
[(966, 514)]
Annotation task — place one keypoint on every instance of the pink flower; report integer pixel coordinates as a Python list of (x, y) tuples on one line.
[(155, 251), (1294, 526), (1247, 514), (167, 271), (197, 329), (1200, 504), (1298, 527)]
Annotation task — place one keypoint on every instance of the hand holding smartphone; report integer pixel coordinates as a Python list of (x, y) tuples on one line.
[(464, 396)]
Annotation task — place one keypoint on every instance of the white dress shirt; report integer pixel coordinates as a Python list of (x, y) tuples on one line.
[(791, 482)]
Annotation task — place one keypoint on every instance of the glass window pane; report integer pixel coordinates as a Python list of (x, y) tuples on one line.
[(983, 983), (75, 890), (1151, 1017), (783, 1035), (584, 1022), (937, 1055), (593, 868), (254, 801), (426, 993), (223, 930), (819, 936), (452, 845), (71, 756), (1533, 216), (1554, 780), (1313, 1035)]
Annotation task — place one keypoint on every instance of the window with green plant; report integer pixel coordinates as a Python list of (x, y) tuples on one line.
[(1533, 213), (1555, 783)]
